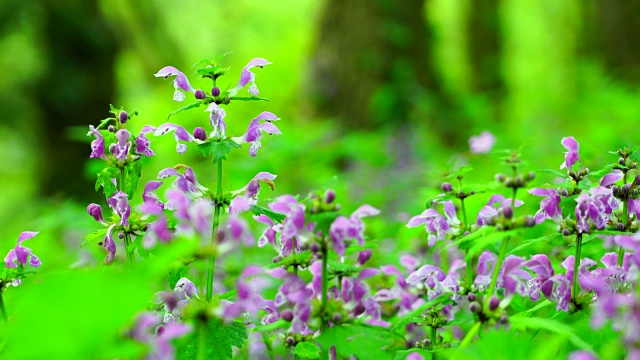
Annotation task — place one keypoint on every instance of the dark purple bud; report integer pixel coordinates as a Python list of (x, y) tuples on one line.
[(363, 257), (621, 161), (290, 341), (359, 309), (96, 211), (474, 307), (199, 134), (472, 297), (566, 232), (123, 117), (507, 212), (625, 189), (215, 91), (529, 221), (500, 177), (615, 190), (504, 320), (532, 175), (286, 315), (446, 187), (160, 330), (199, 94), (519, 181), (564, 192), (221, 236), (277, 259), (494, 302), (637, 180), (329, 196), (111, 128), (426, 343), (314, 247), (121, 235), (336, 318), (620, 226)]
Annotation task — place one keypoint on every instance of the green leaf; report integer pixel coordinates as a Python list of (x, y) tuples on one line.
[(98, 234), (176, 274), (280, 324), (568, 205), (365, 342), (553, 172), (527, 323), (307, 350), (460, 172), (219, 339), (248, 98), (132, 172), (408, 318), (324, 220), (259, 210), (484, 242), (188, 107), (104, 180), (217, 149), (543, 304), (545, 239)]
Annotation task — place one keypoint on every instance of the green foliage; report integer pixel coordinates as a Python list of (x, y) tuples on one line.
[(104, 180), (98, 234), (132, 173), (248, 98), (307, 350), (414, 315), (363, 341), (217, 149), (554, 326), (259, 210), (324, 220), (193, 105), (217, 339)]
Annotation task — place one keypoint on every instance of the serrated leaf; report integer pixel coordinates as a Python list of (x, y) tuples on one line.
[(365, 342), (104, 180), (98, 234), (527, 323), (133, 172), (248, 98), (568, 206), (460, 172), (217, 149), (307, 350), (219, 339), (408, 318), (188, 107), (259, 210), (280, 324), (601, 172)]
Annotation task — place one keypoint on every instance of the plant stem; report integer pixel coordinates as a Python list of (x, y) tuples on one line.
[(267, 344), (576, 266), (5, 317), (433, 337), (464, 216), (218, 204), (496, 270), (127, 236), (470, 335), (325, 286), (625, 212), (202, 341)]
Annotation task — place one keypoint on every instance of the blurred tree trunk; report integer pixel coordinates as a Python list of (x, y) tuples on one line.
[(612, 30), (484, 47), (372, 66), (75, 91)]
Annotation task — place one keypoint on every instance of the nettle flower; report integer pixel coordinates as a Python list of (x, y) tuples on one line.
[(142, 143), (248, 195), (149, 330), (180, 134), (482, 144), (249, 286), (21, 253), (595, 208), (343, 228), (248, 77), (120, 205), (97, 145), (292, 227), (587, 280), (120, 150), (217, 120), (436, 225), (253, 135), (496, 202), (571, 156), (549, 207), (179, 83)]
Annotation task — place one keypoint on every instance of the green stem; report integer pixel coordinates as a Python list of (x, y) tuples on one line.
[(464, 216), (5, 317), (433, 335), (325, 286), (202, 342), (470, 335), (267, 344), (576, 266), (496, 270), (625, 212), (127, 236), (216, 221)]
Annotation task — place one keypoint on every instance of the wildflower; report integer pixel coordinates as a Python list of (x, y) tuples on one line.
[(611, 177), (97, 145), (148, 331), (142, 143), (587, 209), (437, 226), (253, 135), (571, 156), (96, 211), (482, 144), (489, 211), (179, 83), (549, 207), (540, 265), (186, 183), (348, 228), (109, 245), (120, 205), (217, 120), (180, 134), (247, 76), (22, 253)]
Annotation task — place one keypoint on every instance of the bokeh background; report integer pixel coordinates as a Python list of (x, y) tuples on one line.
[(378, 98)]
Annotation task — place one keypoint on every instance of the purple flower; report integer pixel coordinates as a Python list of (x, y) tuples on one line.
[(121, 149), (151, 202), (149, 331), (549, 207), (293, 223), (247, 76), (249, 299), (110, 246), (486, 264), (587, 209), (217, 120), (513, 277), (251, 190), (142, 143), (482, 143), (201, 212), (121, 207), (186, 183), (343, 228), (96, 211), (571, 156), (186, 289), (436, 225), (269, 234), (581, 355), (179, 83), (239, 230), (489, 211), (180, 134), (253, 135), (611, 177), (22, 253), (587, 281), (97, 145), (540, 265)]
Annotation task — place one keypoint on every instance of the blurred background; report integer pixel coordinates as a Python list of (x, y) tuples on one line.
[(378, 98)]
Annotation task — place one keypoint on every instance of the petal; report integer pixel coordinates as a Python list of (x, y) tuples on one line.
[(611, 177)]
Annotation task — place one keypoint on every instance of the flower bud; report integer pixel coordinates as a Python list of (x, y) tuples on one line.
[(519, 181), (584, 172), (620, 226), (215, 92), (290, 341), (199, 134), (494, 302), (221, 235), (199, 94), (532, 175), (329, 196), (503, 320), (111, 128), (446, 187), (363, 257), (121, 235), (499, 177), (426, 343), (564, 192), (625, 189), (286, 315), (474, 307), (123, 117), (472, 297), (314, 247), (566, 232), (507, 212), (96, 211), (621, 161), (529, 221), (615, 190), (277, 259), (336, 318)]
